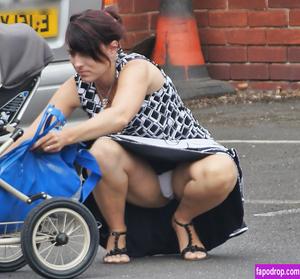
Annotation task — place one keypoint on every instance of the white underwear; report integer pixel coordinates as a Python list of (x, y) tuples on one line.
[(165, 183)]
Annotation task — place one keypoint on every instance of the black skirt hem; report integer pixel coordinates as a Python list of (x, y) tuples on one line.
[(149, 230)]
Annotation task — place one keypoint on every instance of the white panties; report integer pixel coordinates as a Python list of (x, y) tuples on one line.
[(165, 183)]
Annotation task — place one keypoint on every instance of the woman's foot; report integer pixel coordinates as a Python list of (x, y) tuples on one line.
[(190, 245), (116, 247)]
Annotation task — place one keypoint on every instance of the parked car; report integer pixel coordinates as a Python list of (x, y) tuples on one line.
[(50, 19)]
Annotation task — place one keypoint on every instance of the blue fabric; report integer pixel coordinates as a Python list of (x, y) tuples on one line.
[(32, 172)]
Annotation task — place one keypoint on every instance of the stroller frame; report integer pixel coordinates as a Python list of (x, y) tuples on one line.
[(15, 134), (55, 224)]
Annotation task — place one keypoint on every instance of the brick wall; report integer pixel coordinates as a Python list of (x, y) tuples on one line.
[(139, 18), (257, 41)]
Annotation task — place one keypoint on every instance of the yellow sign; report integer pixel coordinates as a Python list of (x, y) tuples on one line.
[(43, 21)]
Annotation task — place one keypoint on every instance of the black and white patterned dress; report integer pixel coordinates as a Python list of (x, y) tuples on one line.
[(164, 122), (162, 116)]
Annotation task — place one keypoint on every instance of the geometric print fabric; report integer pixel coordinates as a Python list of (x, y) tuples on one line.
[(162, 115)]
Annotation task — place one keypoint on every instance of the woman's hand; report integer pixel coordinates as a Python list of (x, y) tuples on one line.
[(53, 142)]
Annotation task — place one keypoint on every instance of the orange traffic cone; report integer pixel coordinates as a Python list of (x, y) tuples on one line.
[(177, 40), (178, 48), (107, 3)]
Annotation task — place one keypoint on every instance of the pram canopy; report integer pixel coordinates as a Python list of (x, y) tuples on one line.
[(23, 54)]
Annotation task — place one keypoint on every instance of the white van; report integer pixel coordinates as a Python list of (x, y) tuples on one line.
[(50, 19)]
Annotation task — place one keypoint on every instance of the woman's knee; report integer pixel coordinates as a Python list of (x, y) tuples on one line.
[(218, 175), (107, 152)]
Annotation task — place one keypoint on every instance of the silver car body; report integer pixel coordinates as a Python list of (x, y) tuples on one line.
[(60, 69)]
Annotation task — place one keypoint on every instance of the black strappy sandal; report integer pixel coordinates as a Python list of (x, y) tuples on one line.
[(116, 250), (190, 247)]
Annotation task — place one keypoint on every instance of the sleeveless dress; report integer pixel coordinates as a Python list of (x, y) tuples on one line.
[(164, 132)]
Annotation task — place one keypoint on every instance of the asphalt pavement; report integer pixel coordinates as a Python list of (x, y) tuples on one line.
[(267, 137)]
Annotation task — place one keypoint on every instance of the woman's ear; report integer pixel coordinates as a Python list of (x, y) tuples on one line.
[(112, 49), (115, 44)]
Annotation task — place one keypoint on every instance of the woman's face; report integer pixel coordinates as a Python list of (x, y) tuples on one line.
[(89, 69)]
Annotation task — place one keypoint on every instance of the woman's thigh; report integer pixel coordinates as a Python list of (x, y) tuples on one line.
[(214, 167), (143, 185)]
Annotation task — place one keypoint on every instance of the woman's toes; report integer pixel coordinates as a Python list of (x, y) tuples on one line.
[(117, 259), (194, 256), (189, 256), (107, 259), (111, 259), (124, 258), (200, 255)]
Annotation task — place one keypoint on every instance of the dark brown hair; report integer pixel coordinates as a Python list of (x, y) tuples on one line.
[(88, 30)]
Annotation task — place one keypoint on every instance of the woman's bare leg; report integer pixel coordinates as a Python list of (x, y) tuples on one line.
[(201, 186), (125, 177)]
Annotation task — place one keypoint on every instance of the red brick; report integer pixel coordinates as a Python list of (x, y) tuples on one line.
[(227, 54), (204, 49), (267, 54), (246, 36), (126, 6), (133, 38), (294, 54), (247, 4), (284, 4), (129, 41), (146, 5), (294, 17), (135, 22), (283, 36), (209, 4), (227, 19), (269, 18), (285, 71), (219, 71), (201, 18), (269, 85), (140, 36), (212, 36), (153, 20), (249, 72)]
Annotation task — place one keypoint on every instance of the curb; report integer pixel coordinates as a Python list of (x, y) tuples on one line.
[(203, 87)]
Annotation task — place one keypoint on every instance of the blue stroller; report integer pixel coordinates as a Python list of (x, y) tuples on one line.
[(59, 237)]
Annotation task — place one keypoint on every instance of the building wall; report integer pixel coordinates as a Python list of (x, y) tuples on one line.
[(257, 41), (139, 18)]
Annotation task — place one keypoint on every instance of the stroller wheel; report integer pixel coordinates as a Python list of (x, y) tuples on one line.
[(11, 258), (60, 238)]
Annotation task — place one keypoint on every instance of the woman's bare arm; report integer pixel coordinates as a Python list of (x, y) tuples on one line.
[(65, 99), (133, 84)]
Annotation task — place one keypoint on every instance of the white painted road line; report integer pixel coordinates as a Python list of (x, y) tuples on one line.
[(274, 202), (278, 213), (261, 141)]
